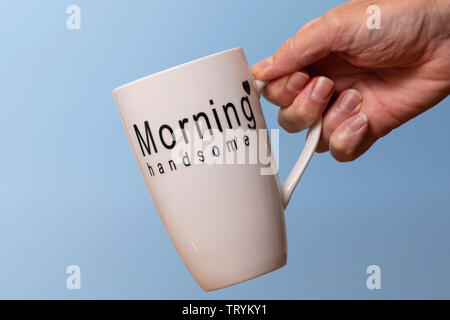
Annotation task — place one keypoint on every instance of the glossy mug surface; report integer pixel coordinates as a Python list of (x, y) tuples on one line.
[(225, 220)]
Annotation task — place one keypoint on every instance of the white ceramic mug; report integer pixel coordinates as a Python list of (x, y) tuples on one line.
[(225, 220)]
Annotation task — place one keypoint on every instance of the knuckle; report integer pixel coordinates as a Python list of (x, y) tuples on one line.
[(332, 18), (286, 124), (321, 148), (306, 118), (310, 24), (274, 94), (344, 158), (288, 46), (324, 144), (333, 21), (341, 153), (271, 92)]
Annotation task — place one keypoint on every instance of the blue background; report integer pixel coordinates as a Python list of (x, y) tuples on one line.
[(71, 192)]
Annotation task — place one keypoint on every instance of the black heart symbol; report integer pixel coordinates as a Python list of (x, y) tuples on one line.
[(246, 86)]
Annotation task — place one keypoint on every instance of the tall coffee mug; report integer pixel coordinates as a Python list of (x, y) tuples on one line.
[(226, 220)]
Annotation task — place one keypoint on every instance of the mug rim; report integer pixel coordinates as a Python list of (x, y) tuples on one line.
[(175, 67)]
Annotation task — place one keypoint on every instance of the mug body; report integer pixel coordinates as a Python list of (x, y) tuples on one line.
[(224, 217)]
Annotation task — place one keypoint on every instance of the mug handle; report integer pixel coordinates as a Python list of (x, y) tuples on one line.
[(312, 139)]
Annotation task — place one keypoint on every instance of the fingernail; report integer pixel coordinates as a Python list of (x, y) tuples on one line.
[(322, 90), (296, 82), (350, 100), (357, 122), (263, 64)]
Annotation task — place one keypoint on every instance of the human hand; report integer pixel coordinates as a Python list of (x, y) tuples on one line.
[(367, 82)]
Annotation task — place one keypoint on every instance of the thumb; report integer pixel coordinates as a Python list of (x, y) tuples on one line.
[(312, 42)]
